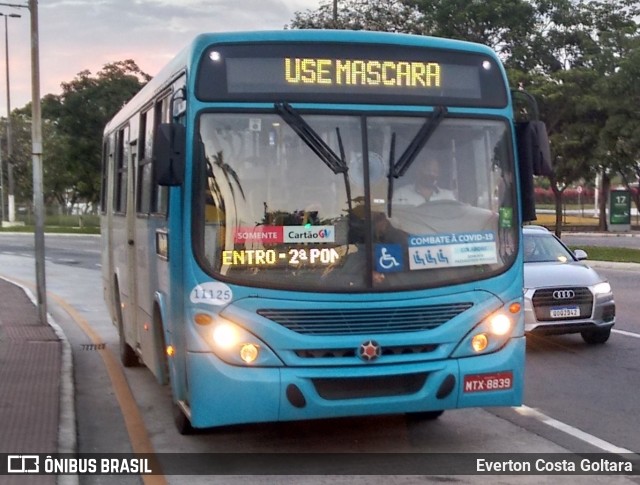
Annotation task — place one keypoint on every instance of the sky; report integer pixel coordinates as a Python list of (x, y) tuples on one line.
[(79, 35)]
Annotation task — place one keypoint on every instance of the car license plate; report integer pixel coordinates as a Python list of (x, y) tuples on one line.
[(565, 312), (495, 381)]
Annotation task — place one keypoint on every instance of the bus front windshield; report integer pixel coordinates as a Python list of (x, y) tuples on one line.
[(347, 203)]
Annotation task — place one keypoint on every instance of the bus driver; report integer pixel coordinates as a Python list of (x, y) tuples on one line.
[(425, 187)]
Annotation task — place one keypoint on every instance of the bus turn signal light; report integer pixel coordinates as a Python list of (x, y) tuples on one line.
[(515, 308)]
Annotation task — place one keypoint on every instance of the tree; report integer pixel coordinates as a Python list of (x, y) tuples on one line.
[(620, 136), (73, 123), (21, 155), (80, 114), (503, 25), (376, 15)]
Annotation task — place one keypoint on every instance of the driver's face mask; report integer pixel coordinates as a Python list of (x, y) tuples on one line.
[(428, 181)]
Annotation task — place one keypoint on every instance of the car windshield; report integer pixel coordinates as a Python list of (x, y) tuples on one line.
[(327, 202), (545, 248)]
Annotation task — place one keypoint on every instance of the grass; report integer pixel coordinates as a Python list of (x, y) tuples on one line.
[(567, 221), (53, 229), (604, 253)]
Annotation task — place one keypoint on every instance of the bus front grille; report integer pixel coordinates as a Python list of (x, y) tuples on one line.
[(352, 352), (364, 321), (365, 387)]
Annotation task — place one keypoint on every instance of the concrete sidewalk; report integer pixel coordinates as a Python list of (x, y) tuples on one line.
[(35, 377)]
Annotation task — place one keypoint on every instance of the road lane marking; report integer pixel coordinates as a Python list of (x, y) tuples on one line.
[(570, 430), (140, 441), (628, 334)]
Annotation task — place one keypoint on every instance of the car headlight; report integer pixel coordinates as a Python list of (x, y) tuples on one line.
[(603, 288), (234, 344), (491, 334)]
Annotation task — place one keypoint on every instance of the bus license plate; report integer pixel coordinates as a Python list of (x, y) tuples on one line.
[(496, 381), (564, 312)]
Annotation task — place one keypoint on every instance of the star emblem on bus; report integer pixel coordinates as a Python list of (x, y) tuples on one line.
[(369, 350)]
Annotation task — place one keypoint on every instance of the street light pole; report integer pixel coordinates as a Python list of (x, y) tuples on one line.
[(1, 186), (36, 142), (36, 157), (11, 183)]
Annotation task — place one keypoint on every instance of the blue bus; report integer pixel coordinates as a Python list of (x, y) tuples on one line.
[(314, 224)]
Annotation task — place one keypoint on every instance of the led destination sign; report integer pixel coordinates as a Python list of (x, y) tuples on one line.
[(349, 73), (358, 72), (271, 257)]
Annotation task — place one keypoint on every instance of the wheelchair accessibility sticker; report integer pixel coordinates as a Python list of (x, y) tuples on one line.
[(388, 258), (431, 251)]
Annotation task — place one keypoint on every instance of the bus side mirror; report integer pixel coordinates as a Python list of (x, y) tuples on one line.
[(169, 145), (533, 146), (534, 157)]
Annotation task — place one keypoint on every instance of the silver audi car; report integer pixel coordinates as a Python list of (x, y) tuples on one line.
[(562, 294)]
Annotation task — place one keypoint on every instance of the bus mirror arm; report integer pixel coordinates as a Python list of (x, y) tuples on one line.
[(169, 145)]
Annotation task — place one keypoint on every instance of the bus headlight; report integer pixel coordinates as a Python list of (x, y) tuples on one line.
[(225, 335), (500, 324), (491, 334), (249, 352), (237, 346), (479, 342)]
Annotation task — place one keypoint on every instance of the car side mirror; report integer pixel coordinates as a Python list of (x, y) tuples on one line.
[(580, 254)]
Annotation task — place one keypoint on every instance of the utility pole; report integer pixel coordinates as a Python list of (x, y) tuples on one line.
[(36, 152), (1, 186), (36, 142)]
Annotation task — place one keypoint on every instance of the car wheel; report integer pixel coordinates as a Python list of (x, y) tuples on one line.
[(596, 336), (424, 416)]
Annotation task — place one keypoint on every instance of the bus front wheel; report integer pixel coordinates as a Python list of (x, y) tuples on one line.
[(128, 356), (181, 420)]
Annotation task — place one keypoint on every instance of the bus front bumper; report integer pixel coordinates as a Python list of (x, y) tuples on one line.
[(221, 394)]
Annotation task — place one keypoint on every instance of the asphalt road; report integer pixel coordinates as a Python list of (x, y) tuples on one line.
[(623, 240), (590, 390)]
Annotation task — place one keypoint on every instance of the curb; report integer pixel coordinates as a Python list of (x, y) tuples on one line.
[(601, 234), (612, 265)]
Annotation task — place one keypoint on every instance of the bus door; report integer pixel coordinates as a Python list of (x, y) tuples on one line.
[(151, 246), (132, 243), (130, 311)]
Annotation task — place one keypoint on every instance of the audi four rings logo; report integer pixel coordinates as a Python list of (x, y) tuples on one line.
[(564, 294)]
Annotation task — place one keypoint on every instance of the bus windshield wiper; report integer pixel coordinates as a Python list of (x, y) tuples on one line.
[(419, 141), (399, 168), (297, 123)]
